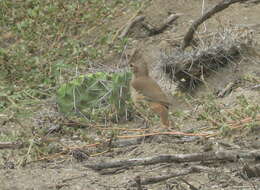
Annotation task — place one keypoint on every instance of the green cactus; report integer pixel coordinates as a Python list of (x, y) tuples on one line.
[(98, 96)]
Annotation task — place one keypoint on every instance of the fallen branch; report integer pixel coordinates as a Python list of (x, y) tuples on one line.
[(154, 31), (177, 158), (11, 145), (217, 8), (226, 90), (132, 18), (130, 25), (164, 133)]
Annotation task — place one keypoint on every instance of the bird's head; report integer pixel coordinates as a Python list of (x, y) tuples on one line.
[(137, 65), (140, 69)]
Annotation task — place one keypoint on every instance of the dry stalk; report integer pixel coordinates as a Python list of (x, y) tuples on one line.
[(217, 8)]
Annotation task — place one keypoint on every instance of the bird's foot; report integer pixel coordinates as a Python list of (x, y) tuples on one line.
[(171, 126)]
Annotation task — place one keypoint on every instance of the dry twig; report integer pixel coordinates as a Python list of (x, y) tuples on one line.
[(131, 19), (11, 145), (154, 31), (217, 8), (177, 158), (226, 90), (100, 127), (130, 25), (163, 133)]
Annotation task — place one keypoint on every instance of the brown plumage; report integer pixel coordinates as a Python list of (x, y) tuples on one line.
[(145, 91)]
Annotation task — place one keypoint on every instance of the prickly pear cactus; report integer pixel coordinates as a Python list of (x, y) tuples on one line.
[(100, 96)]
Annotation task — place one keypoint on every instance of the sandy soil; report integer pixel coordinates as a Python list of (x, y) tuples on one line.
[(68, 173)]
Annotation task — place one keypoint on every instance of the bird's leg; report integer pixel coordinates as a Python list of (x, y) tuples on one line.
[(162, 111), (164, 118)]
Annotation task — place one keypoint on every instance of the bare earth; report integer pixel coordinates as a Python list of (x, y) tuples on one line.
[(68, 173)]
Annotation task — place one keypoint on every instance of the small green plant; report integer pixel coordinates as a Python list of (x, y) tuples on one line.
[(99, 97), (212, 111), (44, 40), (225, 130), (222, 118)]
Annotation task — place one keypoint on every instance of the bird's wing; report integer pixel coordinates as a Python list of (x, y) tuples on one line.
[(151, 90)]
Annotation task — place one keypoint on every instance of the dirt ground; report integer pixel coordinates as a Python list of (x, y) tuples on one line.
[(69, 173)]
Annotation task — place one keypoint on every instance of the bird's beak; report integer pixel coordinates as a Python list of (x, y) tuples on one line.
[(133, 67)]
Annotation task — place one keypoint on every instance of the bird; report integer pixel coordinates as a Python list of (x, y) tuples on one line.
[(145, 92)]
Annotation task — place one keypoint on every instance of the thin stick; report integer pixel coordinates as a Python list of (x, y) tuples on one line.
[(217, 8), (130, 25), (163, 133), (224, 91), (135, 15), (154, 31), (100, 153), (10, 145), (72, 123)]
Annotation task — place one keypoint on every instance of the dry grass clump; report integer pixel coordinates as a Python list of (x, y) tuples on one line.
[(211, 52)]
